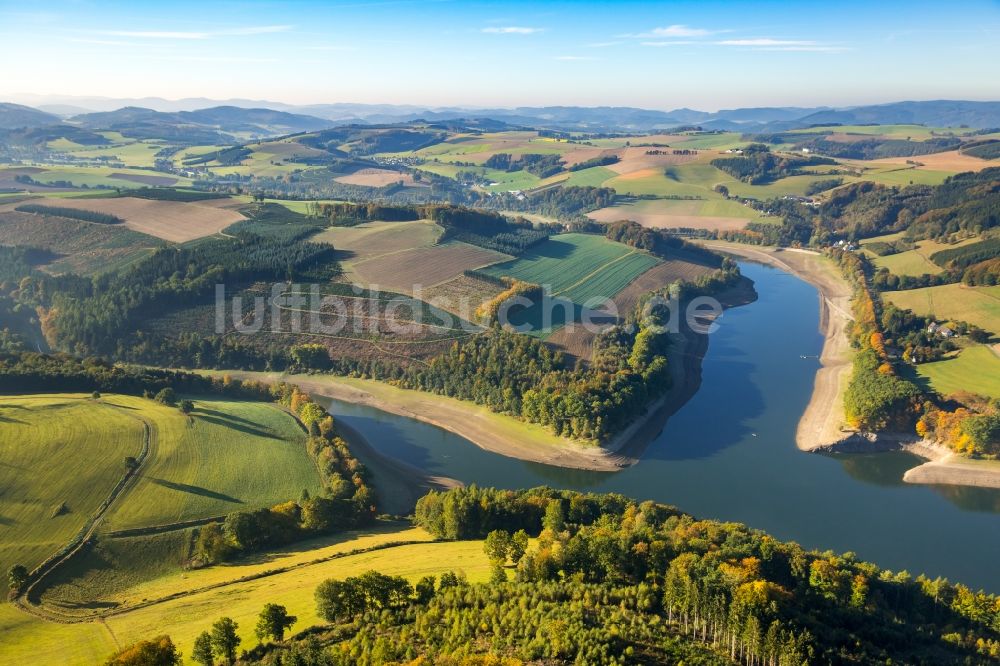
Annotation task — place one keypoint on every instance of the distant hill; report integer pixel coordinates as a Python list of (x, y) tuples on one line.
[(15, 116), (940, 113), (205, 119), (212, 124)]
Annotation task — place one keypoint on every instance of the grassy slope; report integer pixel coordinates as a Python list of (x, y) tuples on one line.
[(916, 261), (55, 449), (28, 639), (578, 266), (976, 305), (222, 459), (975, 369)]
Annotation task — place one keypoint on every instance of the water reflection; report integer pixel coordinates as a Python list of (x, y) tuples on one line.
[(730, 454)]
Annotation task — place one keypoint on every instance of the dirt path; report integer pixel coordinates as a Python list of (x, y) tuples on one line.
[(822, 422)]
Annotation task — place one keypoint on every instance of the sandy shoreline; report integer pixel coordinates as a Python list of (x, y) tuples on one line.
[(822, 422)]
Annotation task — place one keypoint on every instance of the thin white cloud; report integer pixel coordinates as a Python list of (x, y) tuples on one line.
[(329, 47), (572, 58), (512, 30), (766, 42), (672, 31), (186, 35), (672, 42), (256, 30), (816, 49), (156, 34), (678, 30), (226, 59), (105, 42)]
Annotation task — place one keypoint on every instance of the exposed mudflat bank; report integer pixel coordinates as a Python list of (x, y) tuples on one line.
[(490, 431), (943, 466)]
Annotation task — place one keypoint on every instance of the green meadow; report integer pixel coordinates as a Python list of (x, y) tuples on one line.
[(578, 266), (975, 369)]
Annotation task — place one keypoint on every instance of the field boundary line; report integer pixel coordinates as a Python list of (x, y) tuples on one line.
[(160, 529), (101, 617)]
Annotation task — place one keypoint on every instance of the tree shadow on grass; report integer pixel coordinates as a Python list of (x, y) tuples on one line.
[(242, 427), (224, 416), (195, 490)]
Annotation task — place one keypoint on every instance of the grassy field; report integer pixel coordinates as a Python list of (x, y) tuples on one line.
[(60, 451), (372, 239), (221, 459), (671, 213), (975, 369), (28, 639), (912, 262), (131, 153), (578, 266), (120, 572), (976, 305)]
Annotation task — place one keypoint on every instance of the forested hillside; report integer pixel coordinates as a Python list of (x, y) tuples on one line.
[(612, 581)]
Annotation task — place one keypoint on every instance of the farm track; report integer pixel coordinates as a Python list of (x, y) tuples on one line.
[(84, 536), (101, 616)]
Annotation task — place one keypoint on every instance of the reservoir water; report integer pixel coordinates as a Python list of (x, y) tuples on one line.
[(730, 454)]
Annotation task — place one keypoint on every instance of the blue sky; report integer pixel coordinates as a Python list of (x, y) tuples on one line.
[(705, 55)]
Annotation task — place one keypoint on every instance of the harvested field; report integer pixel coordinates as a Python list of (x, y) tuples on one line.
[(634, 159), (427, 266), (79, 247), (154, 181), (170, 220), (462, 295), (669, 220), (372, 239), (378, 178), (951, 160), (584, 154)]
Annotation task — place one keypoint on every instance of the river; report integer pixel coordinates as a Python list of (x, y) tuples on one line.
[(730, 454)]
